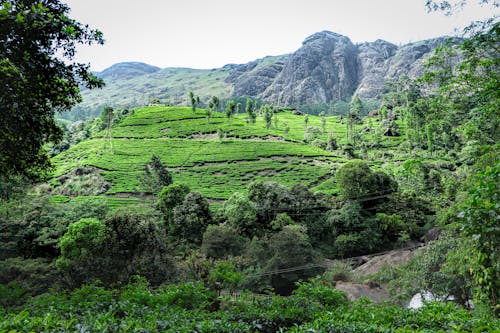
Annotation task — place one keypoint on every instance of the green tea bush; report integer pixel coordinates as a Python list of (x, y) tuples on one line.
[(328, 297), (189, 295)]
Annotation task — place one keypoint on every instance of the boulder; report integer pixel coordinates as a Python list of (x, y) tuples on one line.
[(371, 290)]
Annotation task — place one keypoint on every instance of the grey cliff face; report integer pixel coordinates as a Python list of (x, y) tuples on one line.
[(329, 67), (373, 59), (254, 78), (323, 69)]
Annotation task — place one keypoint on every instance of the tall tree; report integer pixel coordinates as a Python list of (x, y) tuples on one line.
[(192, 101), (323, 121), (250, 109), (468, 94), (230, 110), (213, 105), (268, 115), (107, 119), (39, 77), (155, 176), (355, 108), (479, 219)]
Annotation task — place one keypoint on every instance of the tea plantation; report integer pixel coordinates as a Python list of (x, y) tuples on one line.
[(216, 165)]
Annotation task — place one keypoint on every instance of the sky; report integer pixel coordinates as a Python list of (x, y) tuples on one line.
[(212, 33)]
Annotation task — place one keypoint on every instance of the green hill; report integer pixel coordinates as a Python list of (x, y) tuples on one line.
[(195, 155)]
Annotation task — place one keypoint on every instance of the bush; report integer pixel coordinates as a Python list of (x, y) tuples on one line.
[(191, 218), (35, 276), (189, 296), (132, 244), (328, 297), (12, 294), (220, 241), (81, 239)]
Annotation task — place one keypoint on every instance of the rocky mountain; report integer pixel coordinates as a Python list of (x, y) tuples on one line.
[(328, 67), (322, 70)]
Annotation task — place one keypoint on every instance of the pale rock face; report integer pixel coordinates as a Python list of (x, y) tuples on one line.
[(323, 69), (251, 79), (373, 63), (329, 67)]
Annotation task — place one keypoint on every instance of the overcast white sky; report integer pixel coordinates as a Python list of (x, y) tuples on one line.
[(212, 33)]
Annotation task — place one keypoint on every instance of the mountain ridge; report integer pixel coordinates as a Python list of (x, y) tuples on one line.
[(327, 68)]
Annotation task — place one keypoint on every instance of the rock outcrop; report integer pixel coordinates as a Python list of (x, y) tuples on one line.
[(329, 67), (322, 70), (355, 291), (393, 258), (373, 59), (253, 78)]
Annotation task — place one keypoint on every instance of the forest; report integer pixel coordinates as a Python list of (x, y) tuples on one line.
[(238, 215)]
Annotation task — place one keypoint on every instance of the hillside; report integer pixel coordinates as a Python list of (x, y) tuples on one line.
[(127, 70), (190, 148), (326, 69)]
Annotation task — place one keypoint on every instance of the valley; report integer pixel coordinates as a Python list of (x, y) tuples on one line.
[(314, 191)]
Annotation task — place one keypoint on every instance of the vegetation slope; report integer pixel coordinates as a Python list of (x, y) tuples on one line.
[(217, 165)]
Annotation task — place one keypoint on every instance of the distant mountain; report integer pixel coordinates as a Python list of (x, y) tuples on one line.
[(328, 67), (126, 70)]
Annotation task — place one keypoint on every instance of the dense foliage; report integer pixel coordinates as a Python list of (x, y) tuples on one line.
[(38, 77), (191, 307), (280, 198)]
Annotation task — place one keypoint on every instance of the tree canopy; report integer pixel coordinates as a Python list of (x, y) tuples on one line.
[(39, 77)]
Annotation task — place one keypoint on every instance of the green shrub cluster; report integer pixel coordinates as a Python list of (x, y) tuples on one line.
[(190, 307)]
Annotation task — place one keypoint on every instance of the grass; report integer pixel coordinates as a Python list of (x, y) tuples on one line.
[(187, 144), (182, 122), (115, 202)]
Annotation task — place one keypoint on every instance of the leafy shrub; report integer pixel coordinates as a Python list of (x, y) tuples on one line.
[(220, 241), (189, 295), (35, 276), (337, 271), (274, 313), (81, 239), (12, 294), (132, 245), (92, 296), (319, 143), (224, 275), (325, 296)]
